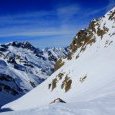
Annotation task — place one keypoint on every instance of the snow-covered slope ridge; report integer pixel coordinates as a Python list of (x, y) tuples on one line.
[(88, 73), (23, 67)]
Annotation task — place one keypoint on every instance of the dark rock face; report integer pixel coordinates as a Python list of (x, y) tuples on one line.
[(87, 36), (3, 63), (19, 67), (3, 49), (5, 110), (58, 100), (112, 15)]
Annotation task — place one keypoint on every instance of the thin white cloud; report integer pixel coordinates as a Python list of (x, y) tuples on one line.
[(66, 14), (37, 24), (89, 12), (38, 33), (69, 10)]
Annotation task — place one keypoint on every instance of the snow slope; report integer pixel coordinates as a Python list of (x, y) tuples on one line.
[(100, 106), (87, 79)]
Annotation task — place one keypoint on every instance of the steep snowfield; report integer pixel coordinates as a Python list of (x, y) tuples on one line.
[(23, 67), (85, 82), (101, 106)]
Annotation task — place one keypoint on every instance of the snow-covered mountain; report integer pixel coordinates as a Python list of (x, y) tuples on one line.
[(23, 67), (86, 79)]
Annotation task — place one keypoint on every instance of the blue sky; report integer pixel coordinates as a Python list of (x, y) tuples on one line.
[(48, 23)]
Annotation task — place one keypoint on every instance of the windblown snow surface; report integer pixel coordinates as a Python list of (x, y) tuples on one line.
[(92, 87)]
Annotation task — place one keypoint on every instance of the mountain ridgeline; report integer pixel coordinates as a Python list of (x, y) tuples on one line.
[(86, 75), (23, 67), (87, 36)]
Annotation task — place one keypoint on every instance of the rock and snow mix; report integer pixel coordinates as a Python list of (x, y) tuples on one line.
[(86, 80), (23, 67)]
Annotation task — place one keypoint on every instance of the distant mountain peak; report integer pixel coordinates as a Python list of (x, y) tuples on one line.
[(24, 44), (87, 75), (23, 67)]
